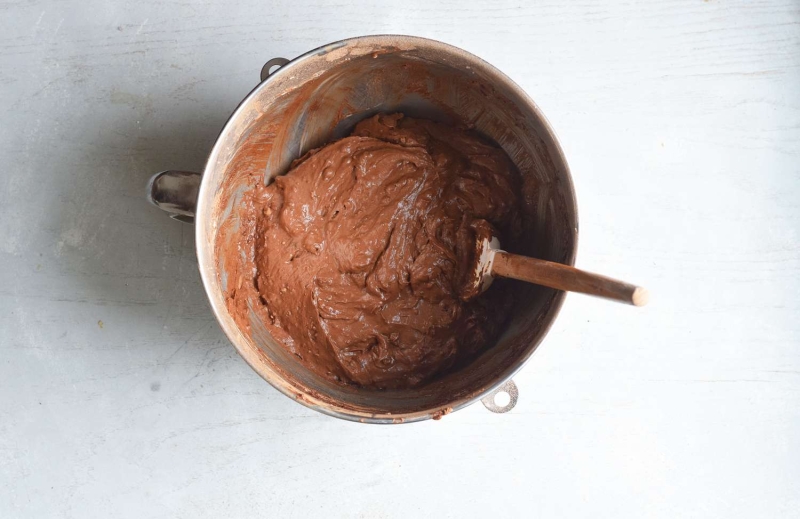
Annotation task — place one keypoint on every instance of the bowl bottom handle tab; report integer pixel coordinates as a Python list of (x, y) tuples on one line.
[(490, 401)]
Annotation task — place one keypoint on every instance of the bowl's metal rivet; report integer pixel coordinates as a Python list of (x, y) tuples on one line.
[(509, 388)]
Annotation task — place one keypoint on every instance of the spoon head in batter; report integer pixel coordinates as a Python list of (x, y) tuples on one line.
[(478, 276)]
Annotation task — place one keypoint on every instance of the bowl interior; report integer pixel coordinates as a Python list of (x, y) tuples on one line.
[(320, 97)]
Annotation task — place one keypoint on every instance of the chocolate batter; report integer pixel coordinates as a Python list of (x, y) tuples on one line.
[(360, 251)]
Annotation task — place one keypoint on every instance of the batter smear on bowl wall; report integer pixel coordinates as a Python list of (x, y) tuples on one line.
[(359, 252)]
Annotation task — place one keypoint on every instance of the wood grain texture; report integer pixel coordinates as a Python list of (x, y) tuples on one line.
[(681, 122), (564, 277)]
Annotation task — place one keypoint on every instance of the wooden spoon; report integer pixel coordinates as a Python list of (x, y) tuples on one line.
[(491, 261)]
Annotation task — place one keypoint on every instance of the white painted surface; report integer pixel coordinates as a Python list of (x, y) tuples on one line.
[(681, 121)]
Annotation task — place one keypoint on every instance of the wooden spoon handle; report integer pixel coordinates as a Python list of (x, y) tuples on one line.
[(563, 277)]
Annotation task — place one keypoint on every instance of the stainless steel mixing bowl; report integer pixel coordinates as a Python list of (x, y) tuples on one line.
[(320, 96)]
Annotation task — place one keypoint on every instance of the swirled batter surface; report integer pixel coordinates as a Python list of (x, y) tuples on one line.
[(361, 249)]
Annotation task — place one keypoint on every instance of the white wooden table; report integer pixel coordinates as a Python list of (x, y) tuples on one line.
[(121, 397)]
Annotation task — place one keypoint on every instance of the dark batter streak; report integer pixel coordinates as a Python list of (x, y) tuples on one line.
[(361, 249)]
